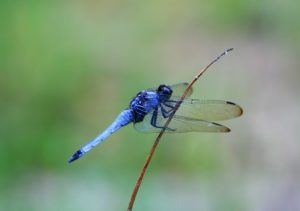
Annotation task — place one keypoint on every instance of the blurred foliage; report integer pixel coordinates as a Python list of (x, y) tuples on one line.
[(67, 68)]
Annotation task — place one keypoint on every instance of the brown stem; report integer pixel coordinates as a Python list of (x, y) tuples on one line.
[(148, 159)]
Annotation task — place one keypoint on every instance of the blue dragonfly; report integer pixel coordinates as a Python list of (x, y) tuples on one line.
[(150, 109)]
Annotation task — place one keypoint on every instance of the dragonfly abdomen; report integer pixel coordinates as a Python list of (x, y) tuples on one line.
[(124, 118)]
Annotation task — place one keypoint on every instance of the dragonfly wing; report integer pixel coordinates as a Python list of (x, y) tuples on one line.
[(178, 89), (178, 124), (209, 110)]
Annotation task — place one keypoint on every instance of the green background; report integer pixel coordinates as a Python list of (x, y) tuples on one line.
[(67, 68)]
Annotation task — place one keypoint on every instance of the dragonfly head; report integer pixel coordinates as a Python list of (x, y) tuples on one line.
[(164, 92)]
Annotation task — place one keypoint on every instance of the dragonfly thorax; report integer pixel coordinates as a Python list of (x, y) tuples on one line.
[(144, 102)]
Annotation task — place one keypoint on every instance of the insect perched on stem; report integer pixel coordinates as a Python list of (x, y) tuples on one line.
[(150, 109), (166, 109)]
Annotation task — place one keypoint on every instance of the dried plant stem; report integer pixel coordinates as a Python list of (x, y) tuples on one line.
[(147, 161)]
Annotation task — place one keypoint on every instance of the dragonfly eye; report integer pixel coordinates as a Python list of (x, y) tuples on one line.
[(164, 90)]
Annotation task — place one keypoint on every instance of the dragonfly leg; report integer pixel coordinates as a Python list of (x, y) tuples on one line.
[(154, 120), (169, 105), (166, 113)]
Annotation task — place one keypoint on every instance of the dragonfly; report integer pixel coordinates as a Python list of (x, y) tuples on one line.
[(150, 109)]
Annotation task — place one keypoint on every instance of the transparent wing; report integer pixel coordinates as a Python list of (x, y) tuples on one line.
[(209, 110), (179, 88), (178, 124)]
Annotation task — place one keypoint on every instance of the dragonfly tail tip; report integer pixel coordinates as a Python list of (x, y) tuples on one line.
[(75, 156)]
